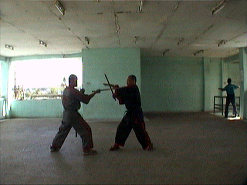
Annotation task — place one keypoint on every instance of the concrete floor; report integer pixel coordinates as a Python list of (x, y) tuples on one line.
[(191, 148)]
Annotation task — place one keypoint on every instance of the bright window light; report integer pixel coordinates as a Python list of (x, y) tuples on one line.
[(234, 118), (44, 78)]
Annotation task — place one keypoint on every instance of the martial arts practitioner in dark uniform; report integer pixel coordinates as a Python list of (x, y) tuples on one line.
[(71, 118), (230, 98), (130, 96)]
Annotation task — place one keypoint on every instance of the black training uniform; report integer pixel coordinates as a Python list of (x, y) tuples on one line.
[(130, 96)]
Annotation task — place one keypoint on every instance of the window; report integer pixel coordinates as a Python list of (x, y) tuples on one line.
[(43, 78)]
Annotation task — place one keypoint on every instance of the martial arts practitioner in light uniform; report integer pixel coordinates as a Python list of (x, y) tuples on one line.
[(71, 101)]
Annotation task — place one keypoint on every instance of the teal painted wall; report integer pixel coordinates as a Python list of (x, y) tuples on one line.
[(4, 77), (212, 81), (37, 108), (172, 84), (1, 108), (117, 63), (2, 59), (4, 84)]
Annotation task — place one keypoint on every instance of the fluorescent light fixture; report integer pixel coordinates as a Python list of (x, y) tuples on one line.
[(42, 43), (180, 41), (87, 40), (198, 52), (222, 42), (140, 7), (136, 38), (166, 51), (60, 7), (9, 47), (219, 7)]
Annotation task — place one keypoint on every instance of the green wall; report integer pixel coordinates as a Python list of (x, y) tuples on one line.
[(1, 108), (212, 81), (117, 63), (2, 59), (172, 84), (4, 83), (4, 76), (180, 84), (36, 108), (243, 82)]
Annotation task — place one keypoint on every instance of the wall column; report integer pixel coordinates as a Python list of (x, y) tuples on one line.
[(222, 75), (206, 82), (117, 63), (5, 82), (243, 82)]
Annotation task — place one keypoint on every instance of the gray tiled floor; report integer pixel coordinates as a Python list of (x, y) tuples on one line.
[(191, 148)]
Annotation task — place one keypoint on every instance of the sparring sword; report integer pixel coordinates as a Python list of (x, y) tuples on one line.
[(110, 87), (106, 84), (103, 90)]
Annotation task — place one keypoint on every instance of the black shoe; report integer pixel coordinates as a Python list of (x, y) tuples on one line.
[(114, 147), (54, 149), (149, 147), (90, 152)]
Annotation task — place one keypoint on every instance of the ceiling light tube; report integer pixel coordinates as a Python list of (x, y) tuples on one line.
[(218, 7), (180, 41), (60, 7), (166, 51), (136, 38), (140, 7), (9, 47), (42, 43), (87, 40), (222, 42), (198, 52)]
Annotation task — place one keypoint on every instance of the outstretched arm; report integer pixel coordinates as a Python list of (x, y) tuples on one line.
[(222, 89), (236, 86), (92, 95), (84, 97)]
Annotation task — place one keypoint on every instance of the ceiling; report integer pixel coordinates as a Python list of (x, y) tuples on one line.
[(180, 27)]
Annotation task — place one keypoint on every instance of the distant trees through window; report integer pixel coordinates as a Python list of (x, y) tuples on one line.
[(43, 78)]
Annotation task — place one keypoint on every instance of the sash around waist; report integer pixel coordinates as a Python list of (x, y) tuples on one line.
[(69, 115)]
